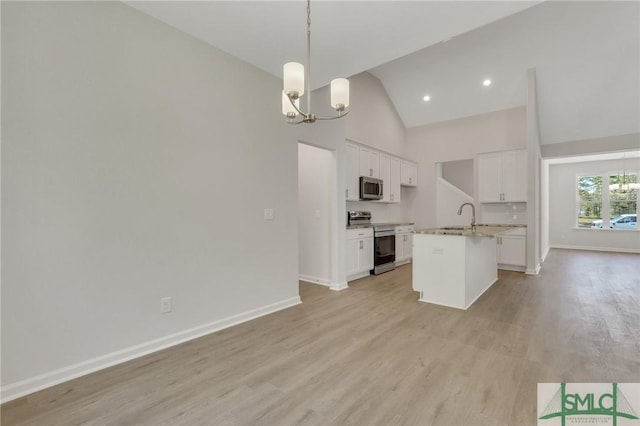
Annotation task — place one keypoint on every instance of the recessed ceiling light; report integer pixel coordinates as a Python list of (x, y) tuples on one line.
[(426, 98), (486, 83)]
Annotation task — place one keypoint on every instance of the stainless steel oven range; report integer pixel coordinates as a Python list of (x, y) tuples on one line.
[(356, 219), (384, 245)]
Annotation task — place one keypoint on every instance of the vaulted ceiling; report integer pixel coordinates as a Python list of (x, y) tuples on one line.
[(586, 54)]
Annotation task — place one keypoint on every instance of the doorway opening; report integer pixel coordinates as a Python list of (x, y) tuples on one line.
[(316, 208)]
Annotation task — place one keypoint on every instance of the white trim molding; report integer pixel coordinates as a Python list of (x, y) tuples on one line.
[(314, 280), (590, 248), (533, 271), (16, 390), (339, 286)]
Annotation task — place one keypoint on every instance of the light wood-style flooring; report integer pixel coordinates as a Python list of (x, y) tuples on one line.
[(374, 355)]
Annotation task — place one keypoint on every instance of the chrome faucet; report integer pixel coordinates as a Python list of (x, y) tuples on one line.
[(473, 215)]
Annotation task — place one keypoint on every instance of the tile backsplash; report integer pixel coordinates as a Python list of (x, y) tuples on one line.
[(506, 213)]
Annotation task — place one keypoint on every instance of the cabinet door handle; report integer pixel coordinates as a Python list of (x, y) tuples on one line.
[(346, 193), (370, 172), (360, 244)]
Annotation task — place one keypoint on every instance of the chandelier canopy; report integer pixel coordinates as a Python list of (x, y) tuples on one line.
[(296, 82)]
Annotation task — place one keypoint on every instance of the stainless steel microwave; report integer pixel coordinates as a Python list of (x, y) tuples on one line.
[(370, 188)]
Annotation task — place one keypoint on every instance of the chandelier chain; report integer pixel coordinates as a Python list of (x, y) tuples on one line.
[(308, 68)]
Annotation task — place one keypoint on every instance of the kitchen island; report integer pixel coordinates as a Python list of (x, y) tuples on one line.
[(454, 266)]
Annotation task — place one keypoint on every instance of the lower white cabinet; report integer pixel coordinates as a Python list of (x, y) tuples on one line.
[(404, 244), (512, 250), (359, 252)]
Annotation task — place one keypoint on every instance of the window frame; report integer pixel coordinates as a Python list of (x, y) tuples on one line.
[(605, 200)]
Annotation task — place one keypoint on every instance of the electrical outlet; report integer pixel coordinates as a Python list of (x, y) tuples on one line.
[(268, 214), (165, 305)]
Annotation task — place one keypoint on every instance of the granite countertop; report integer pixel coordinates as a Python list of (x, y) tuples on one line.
[(482, 230), (392, 223)]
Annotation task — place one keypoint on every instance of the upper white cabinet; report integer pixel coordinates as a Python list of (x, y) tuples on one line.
[(514, 176), (394, 181), (352, 191), (369, 162), (366, 161), (390, 175), (502, 177), (408, 173)]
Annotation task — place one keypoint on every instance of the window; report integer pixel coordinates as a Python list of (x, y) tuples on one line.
[(589, 201), (623, 193), (608, 200)]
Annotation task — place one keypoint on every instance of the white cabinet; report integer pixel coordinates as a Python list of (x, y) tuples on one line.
[(394, 181), (390, 175), (502, 177), (404, 244), (369, 162), (512, 250), (359, 252), (514, 176), (408, 173), (385, 175), (352, 191), (365, 161)]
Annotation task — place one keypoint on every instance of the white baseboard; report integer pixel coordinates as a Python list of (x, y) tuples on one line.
[(403, 262), (533, 271), (514, 268), (43, 381), (590, 248), (314, 280), (358, 275), (422, 299), (339, 286)]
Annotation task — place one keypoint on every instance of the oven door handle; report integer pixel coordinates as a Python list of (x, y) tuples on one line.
[(384, 234)]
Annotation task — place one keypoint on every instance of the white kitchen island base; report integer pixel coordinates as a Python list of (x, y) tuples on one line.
[(453, 270)]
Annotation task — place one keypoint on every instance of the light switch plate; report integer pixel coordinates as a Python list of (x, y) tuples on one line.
[(268, 214)]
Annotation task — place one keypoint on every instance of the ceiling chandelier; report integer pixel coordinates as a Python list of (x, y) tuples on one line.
[(296, 83)]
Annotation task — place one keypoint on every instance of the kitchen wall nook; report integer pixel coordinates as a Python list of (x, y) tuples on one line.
[(363, 160)]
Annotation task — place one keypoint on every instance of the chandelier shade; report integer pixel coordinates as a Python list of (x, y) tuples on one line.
[(296, 82), (293, 79), (339, 93)]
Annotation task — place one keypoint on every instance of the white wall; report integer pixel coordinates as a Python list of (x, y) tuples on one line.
[(534, 160), (373, 119), (329, 135), (460, 174), (459, 140), (136, 164), (449, 199), (315, 205), (563, 209)]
